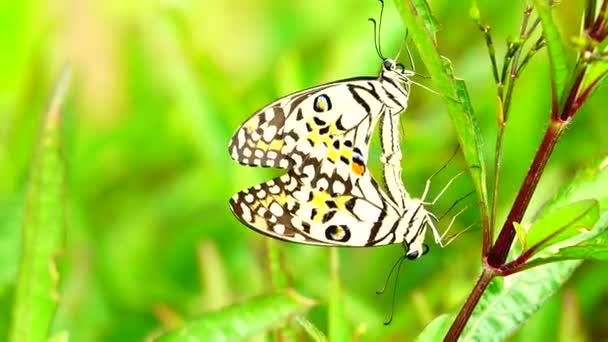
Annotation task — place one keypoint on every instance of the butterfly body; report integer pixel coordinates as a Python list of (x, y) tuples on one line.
[(328, 197)]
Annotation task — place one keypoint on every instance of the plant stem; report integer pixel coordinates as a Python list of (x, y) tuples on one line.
[(501, 248), (468, 307)]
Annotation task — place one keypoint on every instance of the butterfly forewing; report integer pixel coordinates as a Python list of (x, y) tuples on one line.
[(304, 124)]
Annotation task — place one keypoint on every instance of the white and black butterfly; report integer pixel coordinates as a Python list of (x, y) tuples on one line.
[(328, 197)]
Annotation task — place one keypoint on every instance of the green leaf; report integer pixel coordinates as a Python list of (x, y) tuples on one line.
[(557, 50), (37, 293), (525, 292), (595, 248), (435, 330), (520, 233), (416, 17), (597, 70), (311, 329), (428, 19), (238, 322), (563, 223)]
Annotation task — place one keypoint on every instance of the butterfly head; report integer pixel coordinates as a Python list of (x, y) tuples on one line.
[(413, 239), (413, 254), (415, 248), (396, 71)]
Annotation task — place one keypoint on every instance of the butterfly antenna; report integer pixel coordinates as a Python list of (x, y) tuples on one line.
[(377, 30), (380, 26), (390, 319), (375, 38), (397, 263)]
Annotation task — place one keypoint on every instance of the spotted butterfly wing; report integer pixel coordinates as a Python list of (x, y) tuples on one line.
[(288, 208), (302, 125), (321, 135)]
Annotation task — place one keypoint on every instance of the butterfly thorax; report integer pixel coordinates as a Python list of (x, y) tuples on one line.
[(395, 82), (412, 228)]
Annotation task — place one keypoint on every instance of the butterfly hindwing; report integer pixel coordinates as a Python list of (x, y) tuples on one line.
[(288, 208)]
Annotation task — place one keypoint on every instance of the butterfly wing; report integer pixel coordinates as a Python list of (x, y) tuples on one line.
[(303, 125), (289, 208)]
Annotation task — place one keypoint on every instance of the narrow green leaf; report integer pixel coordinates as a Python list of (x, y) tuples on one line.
[(595, 248), (525, 292), (336, 320), (238, 322), (36, 293), (428, 19), (520, 233), (596, 70), (572, 219), (311, 329), (416, 19), (435, 330), (557, 50)]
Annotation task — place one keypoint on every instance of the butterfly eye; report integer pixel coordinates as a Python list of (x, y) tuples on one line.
[(389, 64), (337, 233), (413, 255), (322, 103)]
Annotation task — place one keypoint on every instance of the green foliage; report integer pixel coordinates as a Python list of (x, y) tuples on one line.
[(242, 321), (141, 168), (422, 26), (557, 51), (37, 286)]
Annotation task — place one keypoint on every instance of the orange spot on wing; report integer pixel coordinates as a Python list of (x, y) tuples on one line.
[(358, 169)]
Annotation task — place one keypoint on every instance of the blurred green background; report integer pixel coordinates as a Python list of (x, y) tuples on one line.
[(159, 88)]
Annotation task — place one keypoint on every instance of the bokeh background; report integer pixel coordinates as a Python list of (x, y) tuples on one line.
[(159, 88)]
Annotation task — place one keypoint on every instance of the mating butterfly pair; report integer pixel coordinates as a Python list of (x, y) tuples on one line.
[(328, 197)]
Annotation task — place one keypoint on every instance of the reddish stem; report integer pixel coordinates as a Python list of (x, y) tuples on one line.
[(468, 307), (499, 252)]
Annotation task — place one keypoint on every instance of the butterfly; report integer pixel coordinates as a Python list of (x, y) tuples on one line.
[(328, 197)]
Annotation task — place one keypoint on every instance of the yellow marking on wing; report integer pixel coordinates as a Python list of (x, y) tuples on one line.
[(334, 130), (259, 222), (347, 152), (252, 124), (275, 145), (341, 202), (281, 198), (333, 155), (266, 201), (319, 198)]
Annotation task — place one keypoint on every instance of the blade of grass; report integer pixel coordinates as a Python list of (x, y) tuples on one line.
[(36, 293), (337, 330), (557, 51), (242, 321), (454, 91), (313, 332)]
